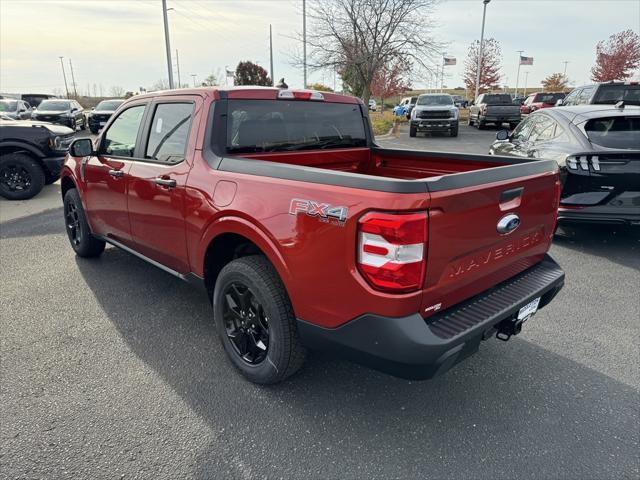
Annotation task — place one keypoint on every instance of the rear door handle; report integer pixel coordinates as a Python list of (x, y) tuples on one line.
[(166, 182), (116, 173)]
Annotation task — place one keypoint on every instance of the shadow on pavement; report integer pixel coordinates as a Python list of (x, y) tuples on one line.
[(49, 222), (512, 411), (619, 244)]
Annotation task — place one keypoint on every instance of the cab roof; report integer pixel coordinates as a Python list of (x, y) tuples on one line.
[(250, 92)]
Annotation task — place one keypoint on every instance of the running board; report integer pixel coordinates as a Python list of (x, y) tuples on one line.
[(190, 277)]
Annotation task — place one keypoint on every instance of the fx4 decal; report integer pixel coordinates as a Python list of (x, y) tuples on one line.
[(324, 211)]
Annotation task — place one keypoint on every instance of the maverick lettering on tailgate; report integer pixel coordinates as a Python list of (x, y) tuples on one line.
[(469, 264)]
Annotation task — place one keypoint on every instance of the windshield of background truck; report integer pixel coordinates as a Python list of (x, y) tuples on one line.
[(435, 100), (279, 125)]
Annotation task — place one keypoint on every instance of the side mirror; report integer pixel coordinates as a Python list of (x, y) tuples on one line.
[(74, 109), (81, 147), (560, 102), (502, 135)]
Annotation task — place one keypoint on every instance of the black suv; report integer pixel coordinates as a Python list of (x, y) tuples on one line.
[(31, 156), (100, 115), (608, 93), (63, 112)]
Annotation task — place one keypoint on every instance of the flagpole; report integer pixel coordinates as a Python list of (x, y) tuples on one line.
[(518, 75)]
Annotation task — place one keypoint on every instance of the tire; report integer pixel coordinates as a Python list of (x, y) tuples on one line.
[(480, 124), (21, 176), (94, 130), (454, 131), (512, 126), (254, 282), (72, 125), (80, 237), (469, 121), (83, 126), (413, 131)]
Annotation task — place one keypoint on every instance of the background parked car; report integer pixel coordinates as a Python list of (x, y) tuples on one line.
[(31, 155), (496, 108), (460, 101), (406, 105), (15, 109), (608, 93), (598, 150), (539, 100), (32, 99), (63, 112), (519, 100), (373, 106), (434, 112), (101, 114)]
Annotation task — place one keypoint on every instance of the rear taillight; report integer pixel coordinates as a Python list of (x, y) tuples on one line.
[(583, 161), (392, 250)]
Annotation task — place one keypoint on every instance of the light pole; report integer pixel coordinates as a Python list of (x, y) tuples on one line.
[(194, 78), (526, 78), (304, 43), (484, 14), (64, 75), (565, 68), (167, 42), (73, 80)]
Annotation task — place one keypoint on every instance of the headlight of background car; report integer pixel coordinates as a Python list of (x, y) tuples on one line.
[(454, 112)]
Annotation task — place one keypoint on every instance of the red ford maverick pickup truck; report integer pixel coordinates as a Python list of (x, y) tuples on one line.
[(307, 235)]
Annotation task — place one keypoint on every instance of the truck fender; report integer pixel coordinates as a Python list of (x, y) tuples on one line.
[(249, 230), (25, 146)]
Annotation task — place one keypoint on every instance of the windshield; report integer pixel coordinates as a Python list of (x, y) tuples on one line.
[(551, 98), (278, 125), (109, 105), (614, 132), (8, 106), (54, 105), (497, 100), (612, 94), (435, 100)]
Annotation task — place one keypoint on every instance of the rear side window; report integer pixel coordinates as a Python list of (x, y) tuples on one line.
[(551, 98), (282, 125), (169, 133), (612, 94), (614, 132), (120, 139)]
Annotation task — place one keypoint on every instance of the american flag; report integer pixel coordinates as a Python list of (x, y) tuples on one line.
[(526, 60), (449, 61)]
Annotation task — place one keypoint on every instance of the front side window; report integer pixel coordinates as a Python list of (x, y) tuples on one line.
[(282, 125), (120, 139), (571, 98), (544, 129), (585, 95), (169, 133)]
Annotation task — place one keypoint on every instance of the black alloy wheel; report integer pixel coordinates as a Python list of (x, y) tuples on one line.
[(72, 220), (245, 323), (15, 177)]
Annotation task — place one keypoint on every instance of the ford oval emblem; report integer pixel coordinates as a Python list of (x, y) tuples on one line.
[(508, 223)]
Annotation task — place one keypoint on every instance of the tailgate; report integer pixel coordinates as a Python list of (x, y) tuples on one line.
[(503, 110), (484, 233)]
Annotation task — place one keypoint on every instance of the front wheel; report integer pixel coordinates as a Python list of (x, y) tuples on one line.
[(83, 125), (21, 176), (82, 241), (413, 131), (469, 121), (454, 130), (255, 321)]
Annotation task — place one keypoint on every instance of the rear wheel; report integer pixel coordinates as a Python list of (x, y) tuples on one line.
[(21, 176), (413, 131), (255, 321), (480, 124), (82, 241)]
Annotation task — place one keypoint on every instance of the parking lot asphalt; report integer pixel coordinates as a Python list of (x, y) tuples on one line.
[(469, 140), (111, 368)]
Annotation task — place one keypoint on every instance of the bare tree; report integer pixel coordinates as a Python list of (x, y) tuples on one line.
[(363, 36), (116, 91)]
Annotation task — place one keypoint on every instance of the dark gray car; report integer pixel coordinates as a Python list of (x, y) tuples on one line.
[(598, 150), (496, 108)]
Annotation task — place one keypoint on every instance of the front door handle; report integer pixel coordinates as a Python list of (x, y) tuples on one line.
[(116, 173), (166, 182)]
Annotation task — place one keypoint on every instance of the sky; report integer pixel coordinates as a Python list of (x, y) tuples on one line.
[(121, 42)]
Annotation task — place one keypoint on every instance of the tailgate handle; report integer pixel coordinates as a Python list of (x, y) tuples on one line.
[(511, 198)]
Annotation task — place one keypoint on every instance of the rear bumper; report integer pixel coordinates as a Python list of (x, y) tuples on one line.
[(600, 214), (415, 348)]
